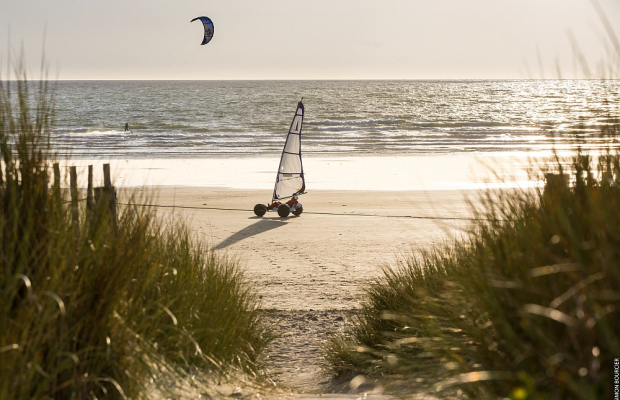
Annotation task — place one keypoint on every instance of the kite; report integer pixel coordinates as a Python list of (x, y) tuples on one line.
[(208, 25)]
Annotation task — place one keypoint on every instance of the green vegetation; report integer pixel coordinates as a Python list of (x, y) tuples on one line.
[(103, 308), (526, 307)]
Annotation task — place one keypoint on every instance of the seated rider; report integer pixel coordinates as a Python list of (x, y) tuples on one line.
[(274, 205), (293, 201)]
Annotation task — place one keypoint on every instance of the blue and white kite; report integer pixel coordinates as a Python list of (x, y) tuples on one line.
[(208, 24)]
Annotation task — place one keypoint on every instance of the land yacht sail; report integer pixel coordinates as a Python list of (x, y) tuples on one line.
[(290, 180)]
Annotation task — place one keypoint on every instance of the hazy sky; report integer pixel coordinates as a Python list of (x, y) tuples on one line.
[(312, 39)]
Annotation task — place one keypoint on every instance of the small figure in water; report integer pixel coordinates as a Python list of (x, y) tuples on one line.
[(127, 127)]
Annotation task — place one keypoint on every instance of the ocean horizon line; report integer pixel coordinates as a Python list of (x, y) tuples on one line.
[(322, 80)]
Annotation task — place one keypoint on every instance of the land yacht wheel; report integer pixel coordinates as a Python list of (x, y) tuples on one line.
[(284, 210), (298, 211), (260, 210)]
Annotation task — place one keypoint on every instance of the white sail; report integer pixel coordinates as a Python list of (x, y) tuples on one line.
[(290, 179)]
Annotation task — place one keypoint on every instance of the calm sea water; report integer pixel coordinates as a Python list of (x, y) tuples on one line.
[(195, 118)]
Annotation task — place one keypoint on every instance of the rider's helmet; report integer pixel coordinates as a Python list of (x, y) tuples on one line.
[(295, 196)]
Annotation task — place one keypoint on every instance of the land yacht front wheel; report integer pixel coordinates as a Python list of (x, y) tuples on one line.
[(260, 210)]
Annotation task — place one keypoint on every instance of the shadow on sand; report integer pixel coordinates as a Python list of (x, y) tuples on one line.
[(260, 226)]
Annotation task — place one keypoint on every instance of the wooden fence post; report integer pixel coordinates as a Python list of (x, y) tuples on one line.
[(555, 186), (56, 187), (89, 190), (106, 194), (111, 190), (107, 180), (75, 215)]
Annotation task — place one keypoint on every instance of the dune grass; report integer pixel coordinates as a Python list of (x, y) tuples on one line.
[(100, 309), (526, 307)]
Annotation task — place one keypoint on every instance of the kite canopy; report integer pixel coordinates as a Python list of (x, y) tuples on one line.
[(208, 25)]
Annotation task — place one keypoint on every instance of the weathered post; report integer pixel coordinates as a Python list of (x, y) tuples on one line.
[(107, 184), (556, 187), (45, 179), (105, 196), (56, 187), (107, 180), (89, 190), (75, 215)]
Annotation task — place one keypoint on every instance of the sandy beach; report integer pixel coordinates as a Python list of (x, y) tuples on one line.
[(322, 259), (311, 271), (361, 214)]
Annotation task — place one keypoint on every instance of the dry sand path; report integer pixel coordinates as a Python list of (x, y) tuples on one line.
[(311, 271)]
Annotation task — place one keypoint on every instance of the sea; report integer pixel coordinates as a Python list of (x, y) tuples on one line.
[(194, 119)]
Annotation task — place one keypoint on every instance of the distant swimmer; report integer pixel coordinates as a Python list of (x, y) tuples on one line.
[(127, 127)]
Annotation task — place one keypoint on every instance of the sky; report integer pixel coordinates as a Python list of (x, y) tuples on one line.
[(312, 39)]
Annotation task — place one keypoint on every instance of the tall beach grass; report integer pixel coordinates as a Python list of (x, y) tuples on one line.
[(104, 309), (527, 306)]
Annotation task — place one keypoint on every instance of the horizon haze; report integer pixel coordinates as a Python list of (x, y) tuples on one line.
[(343, 40)]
